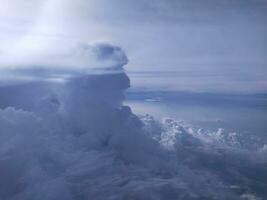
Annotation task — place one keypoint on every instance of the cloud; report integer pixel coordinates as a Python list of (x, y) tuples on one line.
[(108, 153), (59, 59), (212, 39), (77, 140), (66, 134)]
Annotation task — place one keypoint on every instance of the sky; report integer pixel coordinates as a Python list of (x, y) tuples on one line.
[(207, 46), (68, 132)]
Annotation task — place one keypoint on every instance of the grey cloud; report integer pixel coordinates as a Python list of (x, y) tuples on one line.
[(78, 140), (66, 134), (105, 51)]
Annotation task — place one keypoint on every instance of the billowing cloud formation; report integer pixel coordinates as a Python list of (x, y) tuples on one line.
[(111, 155), (76, 140), (59, 59)]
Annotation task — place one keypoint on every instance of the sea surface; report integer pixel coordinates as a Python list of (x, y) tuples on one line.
[(245, 114)]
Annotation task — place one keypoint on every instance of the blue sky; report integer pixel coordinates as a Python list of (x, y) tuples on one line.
[(212, 46)]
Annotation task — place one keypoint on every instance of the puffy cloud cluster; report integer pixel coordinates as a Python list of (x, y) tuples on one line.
[(75, 140)]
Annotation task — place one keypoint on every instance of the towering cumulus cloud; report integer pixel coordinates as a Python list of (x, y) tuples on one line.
[(65, 134), (73, 138)]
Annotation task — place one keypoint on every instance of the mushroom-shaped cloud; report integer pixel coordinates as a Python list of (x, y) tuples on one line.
[(60, 60)]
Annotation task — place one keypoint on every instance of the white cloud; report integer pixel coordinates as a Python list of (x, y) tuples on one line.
[(52, 59)]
